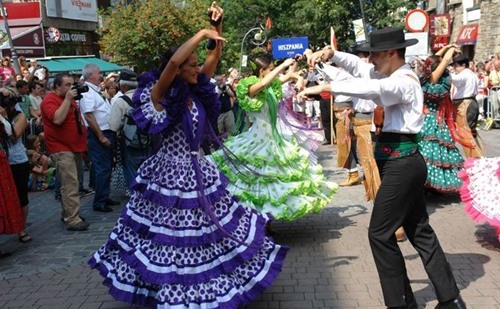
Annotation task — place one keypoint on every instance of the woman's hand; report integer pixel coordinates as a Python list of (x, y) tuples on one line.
[(212, 34), (215, 13), (288, 62), (303, 95)]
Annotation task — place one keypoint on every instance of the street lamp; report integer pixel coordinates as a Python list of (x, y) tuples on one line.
[(259, 38)]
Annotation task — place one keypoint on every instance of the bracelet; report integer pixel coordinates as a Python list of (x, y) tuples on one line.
[(214, 23)]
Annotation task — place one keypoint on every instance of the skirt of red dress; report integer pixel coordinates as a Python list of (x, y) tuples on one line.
[(11, 217)]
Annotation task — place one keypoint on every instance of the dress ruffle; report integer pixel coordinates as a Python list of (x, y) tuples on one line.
[(254, 104), (152, 121), (481, 189)]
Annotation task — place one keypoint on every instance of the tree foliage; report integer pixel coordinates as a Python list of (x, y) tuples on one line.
[(133, 34)]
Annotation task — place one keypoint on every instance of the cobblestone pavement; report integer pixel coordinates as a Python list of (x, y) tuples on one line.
[(329, 264)]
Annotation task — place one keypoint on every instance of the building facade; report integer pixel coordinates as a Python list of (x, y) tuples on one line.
[(67, 27), (474, 25)]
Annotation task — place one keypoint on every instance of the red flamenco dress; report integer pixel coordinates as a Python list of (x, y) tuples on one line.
[(11, 217)]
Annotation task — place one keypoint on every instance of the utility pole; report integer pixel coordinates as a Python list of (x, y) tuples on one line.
[(365, 26), (12, 49)]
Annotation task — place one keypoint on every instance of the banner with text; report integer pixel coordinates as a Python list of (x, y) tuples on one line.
[(85, 10), (289, 47)]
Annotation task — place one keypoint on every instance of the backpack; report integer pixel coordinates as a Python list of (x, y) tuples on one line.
[(134, 137)]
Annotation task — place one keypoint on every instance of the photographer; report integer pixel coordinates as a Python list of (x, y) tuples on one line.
[(66, 140), (225, 123), (16, 124)]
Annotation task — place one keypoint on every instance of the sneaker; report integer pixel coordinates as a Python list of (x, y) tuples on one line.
[(81, 218), (80, 226), (86, 192)]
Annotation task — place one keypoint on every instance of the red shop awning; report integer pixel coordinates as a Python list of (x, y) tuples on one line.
[(468, 34)]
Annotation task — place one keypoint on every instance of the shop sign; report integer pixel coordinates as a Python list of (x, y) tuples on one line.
[(21, 10), (85, 10), (440, 25), (73, 37), (439, 42), (52, 35)]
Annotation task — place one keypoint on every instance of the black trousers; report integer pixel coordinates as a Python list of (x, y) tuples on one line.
[(325, 109), (400, 201)]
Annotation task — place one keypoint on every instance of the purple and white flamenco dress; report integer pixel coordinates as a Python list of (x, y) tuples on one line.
[(183, 240)]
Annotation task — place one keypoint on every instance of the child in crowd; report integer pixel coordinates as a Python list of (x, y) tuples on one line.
[(42, 172)]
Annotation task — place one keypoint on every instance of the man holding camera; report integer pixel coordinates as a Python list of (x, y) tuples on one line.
[(225, 123), (66, 140), (96, 112)]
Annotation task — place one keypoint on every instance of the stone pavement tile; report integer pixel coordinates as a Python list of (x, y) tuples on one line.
[(21, 302), (286, 297)]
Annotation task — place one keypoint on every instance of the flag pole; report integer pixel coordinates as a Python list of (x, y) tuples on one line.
[(333, 44)]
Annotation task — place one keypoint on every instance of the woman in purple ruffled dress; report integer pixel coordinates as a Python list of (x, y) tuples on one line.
[(183, 240)]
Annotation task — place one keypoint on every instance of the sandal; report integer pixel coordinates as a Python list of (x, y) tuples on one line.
[(4, 254), (25, 238)]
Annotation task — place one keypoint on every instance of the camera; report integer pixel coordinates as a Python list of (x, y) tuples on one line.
[(9, 101), (79, 89)]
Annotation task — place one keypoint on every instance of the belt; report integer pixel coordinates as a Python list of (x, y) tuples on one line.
[(343, 104), (391, 137), (467, 98), (368, 115), (391, 146)]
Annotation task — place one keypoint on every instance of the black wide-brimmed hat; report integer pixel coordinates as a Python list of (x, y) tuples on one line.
[(127, 75), (460, 58), (385, 39)]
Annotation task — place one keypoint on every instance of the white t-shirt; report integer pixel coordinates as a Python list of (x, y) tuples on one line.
[(93, 102)]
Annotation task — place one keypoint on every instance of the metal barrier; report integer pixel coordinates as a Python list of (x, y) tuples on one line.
[(488, 122), (491, 93)]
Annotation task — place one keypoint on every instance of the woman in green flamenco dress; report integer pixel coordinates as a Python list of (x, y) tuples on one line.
[(437, 145), (282, 181)]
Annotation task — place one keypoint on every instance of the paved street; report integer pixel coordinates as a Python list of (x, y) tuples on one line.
[(329, 264)]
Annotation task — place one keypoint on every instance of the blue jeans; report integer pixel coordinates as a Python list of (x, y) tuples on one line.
[(132, 159), (102, 159)]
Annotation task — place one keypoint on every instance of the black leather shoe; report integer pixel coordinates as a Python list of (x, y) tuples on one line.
[(104, 209), (412, 305), (110, 202), (455, 303)]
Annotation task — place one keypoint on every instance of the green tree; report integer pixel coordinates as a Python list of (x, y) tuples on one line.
[(388, 13), (133, 34)]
